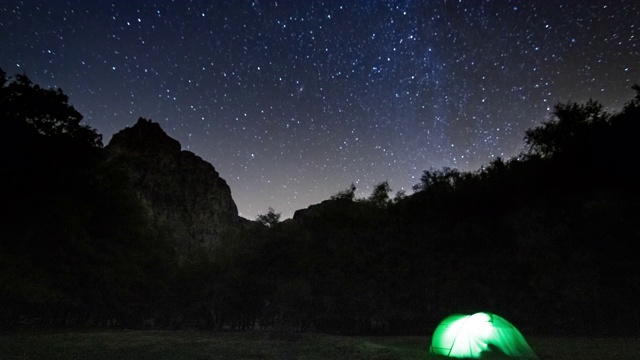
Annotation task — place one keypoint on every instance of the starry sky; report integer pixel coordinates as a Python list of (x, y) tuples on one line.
[(293, 100)]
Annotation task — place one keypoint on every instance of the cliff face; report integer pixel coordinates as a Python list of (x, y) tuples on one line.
[(184, 195)]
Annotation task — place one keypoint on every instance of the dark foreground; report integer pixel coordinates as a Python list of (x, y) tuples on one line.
[(159, 345)]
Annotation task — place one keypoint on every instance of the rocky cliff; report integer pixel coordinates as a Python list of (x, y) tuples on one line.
[(184, 195)]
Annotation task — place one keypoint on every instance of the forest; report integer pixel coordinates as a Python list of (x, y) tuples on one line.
[(547, 239)]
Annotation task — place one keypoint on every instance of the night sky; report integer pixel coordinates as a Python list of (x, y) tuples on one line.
[(291, 101)]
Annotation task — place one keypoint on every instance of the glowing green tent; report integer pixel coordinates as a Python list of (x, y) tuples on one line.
[(479, 335)]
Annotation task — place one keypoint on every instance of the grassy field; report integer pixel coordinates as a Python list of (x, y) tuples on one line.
[(165, 345)]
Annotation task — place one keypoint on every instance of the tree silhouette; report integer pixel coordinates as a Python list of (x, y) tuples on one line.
[(569, 128), (400, 194), (438, 180), (46, 110), (380, 194), (271, 218), (347, 194)]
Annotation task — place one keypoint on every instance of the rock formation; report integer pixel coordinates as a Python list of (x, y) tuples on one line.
[(184, 195)]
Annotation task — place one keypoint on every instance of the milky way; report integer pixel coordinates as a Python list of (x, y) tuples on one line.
[(291, 101)]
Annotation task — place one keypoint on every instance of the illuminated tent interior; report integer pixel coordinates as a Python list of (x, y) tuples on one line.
[(479, 335)]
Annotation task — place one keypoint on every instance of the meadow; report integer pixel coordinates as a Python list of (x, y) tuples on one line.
[(201, 345)]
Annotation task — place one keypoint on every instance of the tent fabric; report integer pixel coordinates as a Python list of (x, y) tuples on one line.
[(477, 335)]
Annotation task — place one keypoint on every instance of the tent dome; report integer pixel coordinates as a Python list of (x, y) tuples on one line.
[(478, 335)]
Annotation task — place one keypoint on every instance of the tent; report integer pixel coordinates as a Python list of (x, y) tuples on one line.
[(479, 335)]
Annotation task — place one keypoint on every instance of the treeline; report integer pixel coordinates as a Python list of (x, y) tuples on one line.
[(546, 239)]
